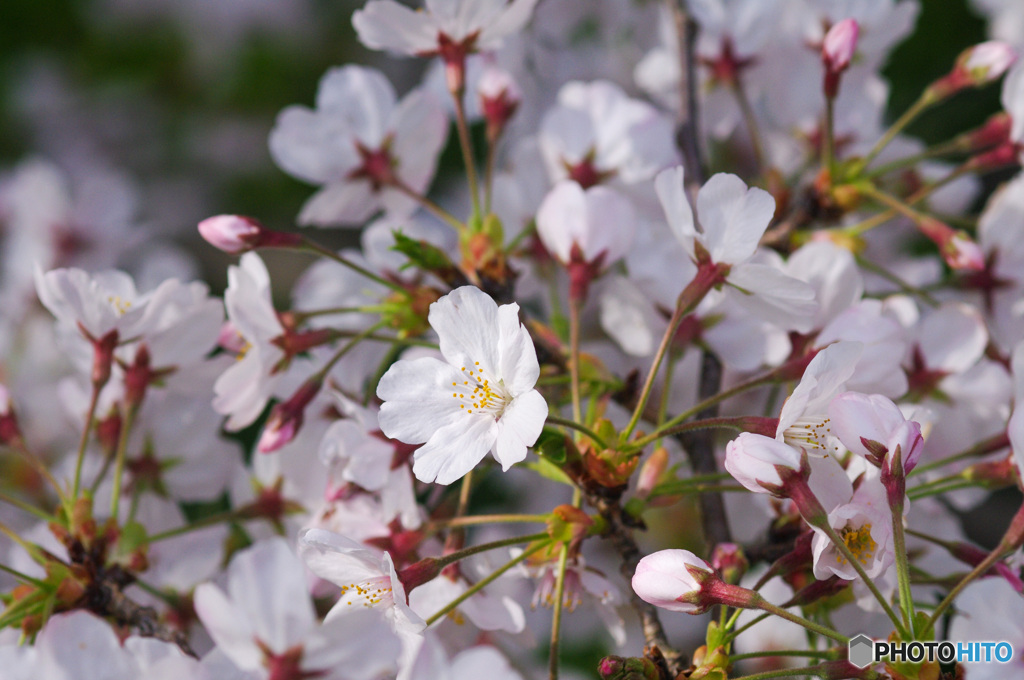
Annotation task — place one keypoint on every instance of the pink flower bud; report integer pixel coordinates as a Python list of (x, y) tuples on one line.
[(680, 581), (837, 52), (987, 61), (286, 418), (976, 66), (839, 45), (957, 248), (499, 99), (236, 234), (672, 579), (231, 233)]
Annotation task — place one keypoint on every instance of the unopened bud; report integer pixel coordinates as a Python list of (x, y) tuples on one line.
[(499, 99), (728, 559), (957, 248), (976, 66), (635, 668), (837, 52), (286, 418), (236, 234), (651, 471), (10, 432)]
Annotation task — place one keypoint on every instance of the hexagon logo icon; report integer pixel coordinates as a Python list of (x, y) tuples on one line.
[(861, 651)]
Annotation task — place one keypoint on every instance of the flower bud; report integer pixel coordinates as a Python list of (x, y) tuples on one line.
[(236, 234), (499, 99), (619, 668), (976, 66), (728, 559), (286, 418), (651, 471), (957, 248), (837, 52), (680, 581)]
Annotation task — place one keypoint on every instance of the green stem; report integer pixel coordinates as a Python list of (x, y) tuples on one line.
[(208, 521), (573, 425), (807, 653), (923, 102), (750, 120), (454, 557), (982, 567), (828, 158), (746, 626), (83, 443), (473, 520), (952, 146), (302, 315), (314, 247), (27, 507), (556, 616), (483, 583), (981, 448), (119, 460), (438, 212), (467, 151), (708, 275), (574, 358), (683, 485), (737, 422), (764, 605), (345, 349), (902, 566), (897, 281)]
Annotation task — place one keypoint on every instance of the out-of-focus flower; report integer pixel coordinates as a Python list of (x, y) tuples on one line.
[(266, 622), (236, 234), (367, 578), (596, 133), (732, 218), (480, 399), (360, 144)]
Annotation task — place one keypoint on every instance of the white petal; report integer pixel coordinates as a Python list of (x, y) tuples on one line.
[(672, 194), (387, 25), (733, 217), (770, 295), (418, 399), (519, 427), (455, 449)]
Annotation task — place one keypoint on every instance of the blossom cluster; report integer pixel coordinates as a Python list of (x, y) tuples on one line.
[(769, 391)]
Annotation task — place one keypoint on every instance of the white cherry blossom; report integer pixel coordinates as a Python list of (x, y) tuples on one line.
[(479, 399)]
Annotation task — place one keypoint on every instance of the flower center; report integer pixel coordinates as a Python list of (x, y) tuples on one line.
[(121, 305), (478, 394), (859, 541), (374, 592), (810, 433)]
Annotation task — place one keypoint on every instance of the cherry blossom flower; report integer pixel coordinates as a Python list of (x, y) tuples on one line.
[(596, 133), (360, 143), (990, 609), (873, 427), (480, 399), (367, 578), (732, 218), (97, 304), (865, 526), (450, 28), (266, 622)]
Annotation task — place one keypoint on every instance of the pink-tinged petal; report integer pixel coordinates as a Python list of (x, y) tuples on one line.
[(420, 127), (359, 98), (78, 645), (337, 558), (387, 25), (348, 203), (753, 460), (829, 482), (952, 338), (856, 417), (482, 662), (1012, 99), (560, 219), (455, 449), (987, 61), (672, 194), (663, 577), (312, 146), (230, 629), (772, 296), (823, 379), (465, 321), (832, 272), (266, 585), (519, 427), (733, 217), (517, 361), (514, 17), (361, 642)]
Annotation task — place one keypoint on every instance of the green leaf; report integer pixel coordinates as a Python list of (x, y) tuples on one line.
[(551, 445), (548, 470), (421, 254)]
